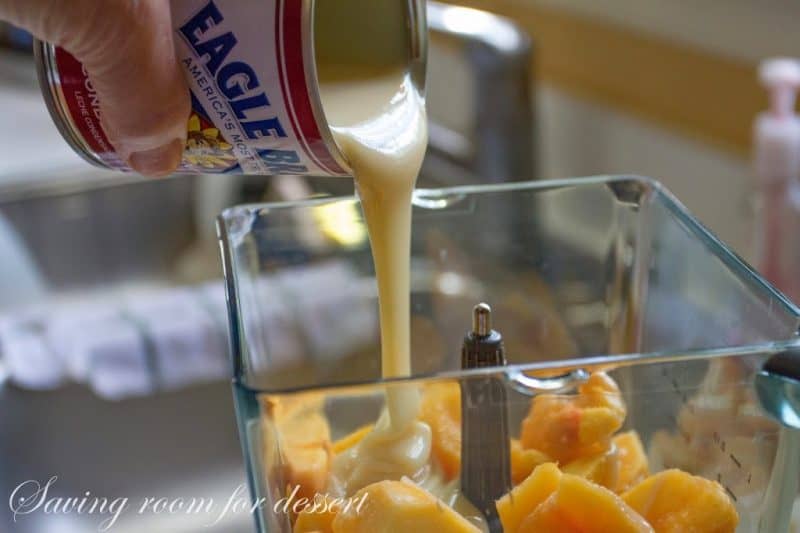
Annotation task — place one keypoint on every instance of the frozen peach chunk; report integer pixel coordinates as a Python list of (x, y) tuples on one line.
[(580, 506), (553, 427), (307, 466), (523, 499), (524, 461), (597, 424), (633, 465), (602, 391), (441, 410), (667, 450), (568, 427), (399, 506), (602, 469), (316, 521), (348, 441), (305, 437), (676, 502)]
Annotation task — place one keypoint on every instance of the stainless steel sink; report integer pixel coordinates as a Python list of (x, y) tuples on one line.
[(96, 237), (96, 234), (173, 445)]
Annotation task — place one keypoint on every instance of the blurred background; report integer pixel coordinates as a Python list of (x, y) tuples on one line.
[(110, 286)]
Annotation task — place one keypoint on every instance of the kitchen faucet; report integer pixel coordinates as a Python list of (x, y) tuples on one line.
[(498, 56)]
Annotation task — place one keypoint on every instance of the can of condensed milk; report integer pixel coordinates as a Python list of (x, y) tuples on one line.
[(252, 67)]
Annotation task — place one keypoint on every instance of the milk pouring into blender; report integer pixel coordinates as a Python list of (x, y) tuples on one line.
[(308, 98), (283, 87)]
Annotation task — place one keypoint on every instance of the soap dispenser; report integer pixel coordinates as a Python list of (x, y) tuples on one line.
[(777, 167)]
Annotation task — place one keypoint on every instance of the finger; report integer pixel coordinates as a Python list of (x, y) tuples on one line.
[(127, 49)]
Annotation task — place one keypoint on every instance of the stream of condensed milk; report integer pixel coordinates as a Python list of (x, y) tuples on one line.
[(378, 118), (377, 115), (379, 122)]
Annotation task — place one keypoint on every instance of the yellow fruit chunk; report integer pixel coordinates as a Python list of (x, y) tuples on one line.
[(669, 450), (441, 410), (568, 427), (348, 441), (553, 426), (676, 502), (580, 506), (308, 467), (602, 391), (597, 424), (633, 465), (523, 499), (602, 469), (524, 461), (305, 438), (315, 521), (399, 506)]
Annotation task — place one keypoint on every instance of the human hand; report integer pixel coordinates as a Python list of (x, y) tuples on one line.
[(127, 49)]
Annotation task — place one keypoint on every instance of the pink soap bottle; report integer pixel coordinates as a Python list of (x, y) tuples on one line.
[(777, 167)]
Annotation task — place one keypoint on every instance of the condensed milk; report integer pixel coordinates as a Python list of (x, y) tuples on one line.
[(384, 139), (378, 118), (376, 110)]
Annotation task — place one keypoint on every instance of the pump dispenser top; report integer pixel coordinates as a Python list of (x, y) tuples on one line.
[(777, 188), (777, 130)]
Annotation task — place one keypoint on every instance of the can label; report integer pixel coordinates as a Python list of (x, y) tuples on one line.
[(251, 93)]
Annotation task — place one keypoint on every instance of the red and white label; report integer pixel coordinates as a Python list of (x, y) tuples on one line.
[(251, 100)]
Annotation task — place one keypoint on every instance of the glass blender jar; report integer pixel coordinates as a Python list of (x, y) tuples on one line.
[(602, 274)]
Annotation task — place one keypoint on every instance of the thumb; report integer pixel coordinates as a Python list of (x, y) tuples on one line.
[(127, 49)]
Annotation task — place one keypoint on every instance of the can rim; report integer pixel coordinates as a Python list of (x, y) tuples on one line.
[(49, 83), (312, 82), (418, 62), (417, 66)]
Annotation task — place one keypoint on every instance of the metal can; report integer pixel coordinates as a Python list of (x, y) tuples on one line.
[(251, 70)]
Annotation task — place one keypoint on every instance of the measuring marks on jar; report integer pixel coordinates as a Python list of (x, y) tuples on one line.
[(719, 433), (719, 441)]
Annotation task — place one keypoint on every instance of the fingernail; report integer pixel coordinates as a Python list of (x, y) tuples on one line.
[(158, 162)]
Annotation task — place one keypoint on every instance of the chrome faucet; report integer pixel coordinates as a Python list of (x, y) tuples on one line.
[(498, 55)]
